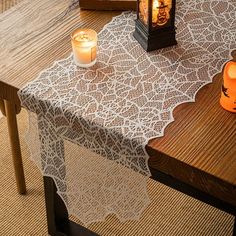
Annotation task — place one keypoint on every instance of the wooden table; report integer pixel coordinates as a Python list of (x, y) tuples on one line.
[(197, 154)]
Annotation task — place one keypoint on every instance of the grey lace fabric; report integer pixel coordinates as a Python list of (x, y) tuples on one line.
[(113, 108)]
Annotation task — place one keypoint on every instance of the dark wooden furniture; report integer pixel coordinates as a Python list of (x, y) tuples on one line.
[(197, 154), (108, 4)]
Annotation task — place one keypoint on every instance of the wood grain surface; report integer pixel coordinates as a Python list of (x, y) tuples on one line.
[(38, 51), (7, 4), (197, 148)]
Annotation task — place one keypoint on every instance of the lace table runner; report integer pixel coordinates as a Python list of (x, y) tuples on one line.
[(116, 106)]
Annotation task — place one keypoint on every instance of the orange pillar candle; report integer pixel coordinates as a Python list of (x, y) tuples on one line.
[(84, 45), (228, 94)]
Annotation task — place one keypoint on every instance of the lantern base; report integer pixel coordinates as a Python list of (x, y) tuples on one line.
[(156, 40)]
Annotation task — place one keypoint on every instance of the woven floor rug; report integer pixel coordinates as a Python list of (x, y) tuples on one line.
[(170, 213)]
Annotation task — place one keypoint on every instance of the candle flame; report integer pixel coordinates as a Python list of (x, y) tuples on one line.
[(232, 71), (81, 37), (155, 4)]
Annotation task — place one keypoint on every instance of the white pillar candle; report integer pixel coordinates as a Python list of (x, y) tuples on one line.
[(84, 45)]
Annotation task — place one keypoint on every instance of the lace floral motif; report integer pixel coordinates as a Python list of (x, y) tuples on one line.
[(116, 106)]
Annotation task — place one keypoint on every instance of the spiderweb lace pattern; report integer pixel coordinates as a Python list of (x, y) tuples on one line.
[(116, 106)]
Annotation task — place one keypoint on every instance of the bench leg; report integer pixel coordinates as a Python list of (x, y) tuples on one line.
[(57, 215), (10, 112)]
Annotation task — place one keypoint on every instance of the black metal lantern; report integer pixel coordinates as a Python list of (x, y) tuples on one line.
[(155, 24)]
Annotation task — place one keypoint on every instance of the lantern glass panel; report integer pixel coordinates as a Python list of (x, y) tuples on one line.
[(161, 10), (155, 24), (143, 11)]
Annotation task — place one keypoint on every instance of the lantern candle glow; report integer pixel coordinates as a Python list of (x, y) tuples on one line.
[(84, 45), (155, 27), (228, 93)]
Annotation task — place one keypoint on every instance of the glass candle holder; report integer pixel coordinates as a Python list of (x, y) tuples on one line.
[(84, 45), (228, 92)]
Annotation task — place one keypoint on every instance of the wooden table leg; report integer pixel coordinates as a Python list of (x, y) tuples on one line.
[(10, 110), (2, 107)]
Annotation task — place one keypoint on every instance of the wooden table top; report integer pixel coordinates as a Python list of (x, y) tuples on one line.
[(199, 147)]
